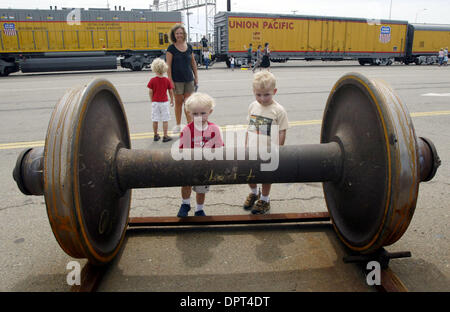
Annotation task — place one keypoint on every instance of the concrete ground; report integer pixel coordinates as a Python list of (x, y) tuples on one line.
[(293, 257)]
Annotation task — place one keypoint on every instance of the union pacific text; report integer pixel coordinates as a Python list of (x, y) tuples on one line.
[(256, 24)]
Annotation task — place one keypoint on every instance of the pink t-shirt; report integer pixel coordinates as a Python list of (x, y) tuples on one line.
[(210, 137)]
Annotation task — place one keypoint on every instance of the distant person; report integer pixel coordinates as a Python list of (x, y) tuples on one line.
[(200, 133), (206, 58), (445, 56), (204, 42), (232, 62), (262, 114), (250, 55), (441, 57), (265, 63), (182, 70), (159, 85), (259, 56)]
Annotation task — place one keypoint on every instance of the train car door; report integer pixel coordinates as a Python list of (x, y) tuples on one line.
[(55, 34), (314, 35), (113, 32), (325, 36), (338, 36), (24, 31)]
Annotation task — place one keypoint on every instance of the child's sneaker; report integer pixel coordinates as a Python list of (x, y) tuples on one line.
[(176, 129), (166, 139), (261, 207), (184, 209), (250, 201), (200, 213)]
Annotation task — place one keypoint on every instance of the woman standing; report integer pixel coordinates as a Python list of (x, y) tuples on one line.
[(266, 57), (182, 70)]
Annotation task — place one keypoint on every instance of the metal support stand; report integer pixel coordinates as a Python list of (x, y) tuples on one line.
[(230, 219), (91, 275), (389, 281), (382, 256)]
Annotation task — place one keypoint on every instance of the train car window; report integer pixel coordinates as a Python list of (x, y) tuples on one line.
[(166, 38), (161, 40)]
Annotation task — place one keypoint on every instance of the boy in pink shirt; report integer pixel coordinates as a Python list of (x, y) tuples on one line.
[(200, 133)]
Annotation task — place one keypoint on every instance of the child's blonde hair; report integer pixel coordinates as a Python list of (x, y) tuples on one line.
[(199, 99), (159, 66), (264, 80)]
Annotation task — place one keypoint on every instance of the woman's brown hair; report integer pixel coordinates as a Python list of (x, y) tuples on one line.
[(174, 29)]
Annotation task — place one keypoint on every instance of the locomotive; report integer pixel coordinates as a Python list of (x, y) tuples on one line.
[(76, 39)]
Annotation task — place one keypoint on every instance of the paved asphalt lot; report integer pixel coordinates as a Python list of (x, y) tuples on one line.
[(220, 258)]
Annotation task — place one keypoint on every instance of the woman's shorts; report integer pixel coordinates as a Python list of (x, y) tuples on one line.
[(184, 87), (160, 111), (201, 189)]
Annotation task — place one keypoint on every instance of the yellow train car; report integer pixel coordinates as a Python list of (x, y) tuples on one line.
[(426, 41), (48, 40), (310, 37)]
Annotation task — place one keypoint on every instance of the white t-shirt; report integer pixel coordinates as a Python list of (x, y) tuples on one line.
[(260, 118)]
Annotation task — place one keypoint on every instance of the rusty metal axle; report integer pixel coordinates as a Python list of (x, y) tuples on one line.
[(150, 168)]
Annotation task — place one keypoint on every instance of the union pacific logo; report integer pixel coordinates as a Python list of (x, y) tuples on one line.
[(256, 24)]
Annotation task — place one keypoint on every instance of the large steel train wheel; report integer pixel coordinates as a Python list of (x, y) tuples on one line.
[(373, 203), (88, 212)]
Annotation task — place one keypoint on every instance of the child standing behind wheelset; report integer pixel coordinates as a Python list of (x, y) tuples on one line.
[(158, 87), (264, 113), (200, 133)]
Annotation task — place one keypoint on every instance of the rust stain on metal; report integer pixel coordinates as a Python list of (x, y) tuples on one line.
[(390, 282)]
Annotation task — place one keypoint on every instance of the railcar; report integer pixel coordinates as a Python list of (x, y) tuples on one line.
[(424, 42), (310, 37), (74, 39), (290, 37)]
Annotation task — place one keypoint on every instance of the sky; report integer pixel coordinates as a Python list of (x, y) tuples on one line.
[(414, 11)]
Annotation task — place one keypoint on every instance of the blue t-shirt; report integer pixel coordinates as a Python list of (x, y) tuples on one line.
[(181, 64)]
